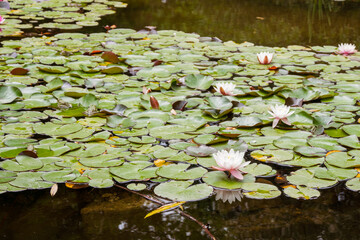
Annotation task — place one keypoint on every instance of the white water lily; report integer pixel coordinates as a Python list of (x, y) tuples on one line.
[(265, 57), (346, 49), (225, 88), (231, 161), (228, 195), (280, 112), (2, 20)]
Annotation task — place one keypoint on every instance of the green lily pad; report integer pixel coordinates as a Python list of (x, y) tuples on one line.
[(353, 184), (100, 178), (306, 177), (135, 170), (220, 179), (198, 81), (136, 186), (21, 164), (310, 151), (180, 172), (9, 93), (260, 191), (302, 192), (30, 180), (6, 176), (183, 191), (59, 176), (54, 69), (342, 160)]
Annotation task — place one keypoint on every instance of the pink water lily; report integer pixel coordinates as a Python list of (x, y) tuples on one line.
[(231, 161), (265, 57), (2, 20), (225, 88), (280, 112), (346, 49)]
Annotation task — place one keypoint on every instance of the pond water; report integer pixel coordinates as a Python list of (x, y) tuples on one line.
[(116, 214), (268, 23), (113, 213)]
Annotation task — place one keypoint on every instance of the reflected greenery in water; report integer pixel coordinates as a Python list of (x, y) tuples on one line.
[(270, 23)]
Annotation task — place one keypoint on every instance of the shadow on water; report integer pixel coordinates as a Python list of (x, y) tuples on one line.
[(115, 214), (270, 22)]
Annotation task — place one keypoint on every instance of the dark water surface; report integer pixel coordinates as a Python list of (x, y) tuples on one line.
[(116, 214), (263, 22)]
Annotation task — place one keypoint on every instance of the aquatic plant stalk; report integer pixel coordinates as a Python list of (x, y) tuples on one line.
[(157, 201)]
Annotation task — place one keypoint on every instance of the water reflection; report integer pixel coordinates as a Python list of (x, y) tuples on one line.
[(228, 195), (115, 214), (271, 22)]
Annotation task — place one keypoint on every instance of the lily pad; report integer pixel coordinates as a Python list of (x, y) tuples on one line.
[(220, 179), (183, 190), (180, 172)]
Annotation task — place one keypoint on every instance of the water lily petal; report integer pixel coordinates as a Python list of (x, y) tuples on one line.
[(237, 174), (218, 168), (275, 122), (286, 121)]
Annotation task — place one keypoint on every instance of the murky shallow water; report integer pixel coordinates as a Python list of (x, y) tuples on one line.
[(269, 23), (116, 214)]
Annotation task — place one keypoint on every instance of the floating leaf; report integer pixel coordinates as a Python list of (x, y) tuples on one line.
[(180, 172), (136, 186), (8, 94), (164, 208), (136, 170), (260, 191), (19, 71), (220, 179), (198, 81), (110, 57), (183, 190), (302, 192), (310, 151)]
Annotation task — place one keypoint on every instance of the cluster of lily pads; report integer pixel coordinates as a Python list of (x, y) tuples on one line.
[(141, 109), (22, 15)]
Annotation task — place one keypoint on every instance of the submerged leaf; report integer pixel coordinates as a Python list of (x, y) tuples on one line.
[(164, 208)]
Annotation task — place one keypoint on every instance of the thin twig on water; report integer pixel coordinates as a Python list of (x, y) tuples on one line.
[(150, 198)]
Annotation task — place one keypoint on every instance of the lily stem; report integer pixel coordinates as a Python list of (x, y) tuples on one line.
[(157, 201)]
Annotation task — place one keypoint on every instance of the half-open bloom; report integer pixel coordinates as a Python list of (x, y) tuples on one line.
[(346, 49), (265, 57), (225, 88), (280, 112), (2, 20), (230, 161), (228, 195)]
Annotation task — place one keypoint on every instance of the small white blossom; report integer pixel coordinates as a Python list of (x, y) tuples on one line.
[(265, 57), (346, 49), (225, 88), (230, 161), (280, 112), (2, 20)]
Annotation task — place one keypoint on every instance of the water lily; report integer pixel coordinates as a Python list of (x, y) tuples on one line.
[(346, 49), (225, 88), (230, 161), (265, 57), (2, 20), (228, 195), (280, 112)]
